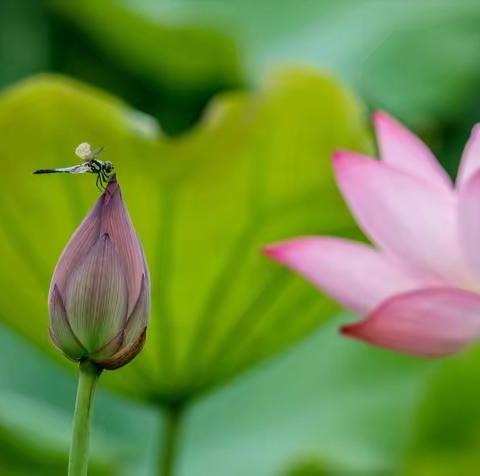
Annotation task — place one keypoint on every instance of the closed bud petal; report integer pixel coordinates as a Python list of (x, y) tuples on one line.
[(96, 296), (99, 299), (134, 332), (61, 332)]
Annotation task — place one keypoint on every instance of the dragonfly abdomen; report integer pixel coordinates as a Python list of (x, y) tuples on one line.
[(50, 171)]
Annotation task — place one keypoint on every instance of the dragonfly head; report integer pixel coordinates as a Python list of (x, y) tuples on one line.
[(108, 167)]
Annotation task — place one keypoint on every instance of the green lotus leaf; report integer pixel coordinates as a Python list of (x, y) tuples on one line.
[(308, 467), (328, 404), (181, 56), (34, 439), (255, 170), (447, 430), (395, 66)]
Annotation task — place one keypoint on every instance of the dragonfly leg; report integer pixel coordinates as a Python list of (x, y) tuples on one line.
[(103, 179), (98, 182), (106, 177)]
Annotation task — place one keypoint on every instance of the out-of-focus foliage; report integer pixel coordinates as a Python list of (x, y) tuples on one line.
[(167, 69), (257, 169), (354, 415), (35, 432), (24, 45), (313, 466), (418, 59), (415, 58), (173, 55), (349, 406), (37, 398), (308, 467), (447, 441), (34, 439)]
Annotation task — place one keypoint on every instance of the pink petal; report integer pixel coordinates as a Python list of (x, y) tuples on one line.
[(138, 320), (404, 215), (469, 221), (470, 163), (133, 336), (356, 275), (60, 330), (117, 224), (108, 216), (80, 244), (427, 322), (404, 151), (96, 296)]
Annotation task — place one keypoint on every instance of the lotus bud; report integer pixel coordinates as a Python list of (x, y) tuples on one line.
[(99, 299)]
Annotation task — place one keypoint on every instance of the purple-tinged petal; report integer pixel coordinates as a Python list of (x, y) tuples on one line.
[(407, 216), (60, 330), (117, 224), (125, 355), (96, 297), (427, 322), (355, 274), (134, 333), (109, 349), (470, 163), (403, 150), (138, 320), (79, 245)]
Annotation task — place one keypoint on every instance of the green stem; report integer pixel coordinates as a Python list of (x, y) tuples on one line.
[(174, 419), (87, 381)]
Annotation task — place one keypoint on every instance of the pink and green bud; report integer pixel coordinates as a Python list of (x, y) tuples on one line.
[(99, 298)]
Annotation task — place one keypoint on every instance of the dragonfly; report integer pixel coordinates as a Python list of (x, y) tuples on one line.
[(90, 165)]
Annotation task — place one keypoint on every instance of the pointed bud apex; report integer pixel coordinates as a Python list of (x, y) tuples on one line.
[(99, 299)]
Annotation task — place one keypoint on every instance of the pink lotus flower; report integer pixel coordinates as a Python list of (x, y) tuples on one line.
[(418, 285), (99, 298)]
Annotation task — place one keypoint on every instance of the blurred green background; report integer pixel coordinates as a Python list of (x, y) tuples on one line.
[(221, 118)]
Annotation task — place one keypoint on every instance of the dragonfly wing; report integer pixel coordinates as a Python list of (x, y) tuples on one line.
[(76, 169)]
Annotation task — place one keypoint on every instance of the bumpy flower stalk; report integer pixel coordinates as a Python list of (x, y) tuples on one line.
[(99, 304)]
